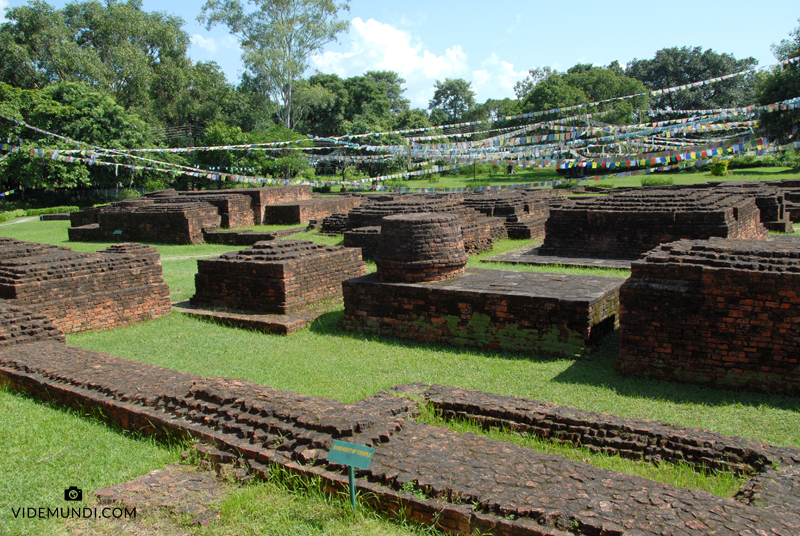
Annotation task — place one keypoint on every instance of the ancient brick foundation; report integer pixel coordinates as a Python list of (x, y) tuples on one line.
[(716, 312), (364, 238), (420, 247), (627, 224), (335, 224), (279, 277), (20, 325), (555, 314), (307, 210), (460, 483), (234, 210), (246, 238), (81, 291), (524, 211)]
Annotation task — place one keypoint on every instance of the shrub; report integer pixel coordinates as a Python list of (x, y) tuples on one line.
[(51, 210), (565, 185), (18, 213), (321, 189), (603, 185), (719, 169), (657, 181)]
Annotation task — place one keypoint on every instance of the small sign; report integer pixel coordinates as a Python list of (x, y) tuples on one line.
[(350, 454), (118, 232)]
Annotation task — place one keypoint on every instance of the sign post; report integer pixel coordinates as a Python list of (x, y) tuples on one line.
[(351, 455)]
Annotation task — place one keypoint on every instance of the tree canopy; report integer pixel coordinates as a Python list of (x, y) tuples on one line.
[(451, 100), (782, 83)]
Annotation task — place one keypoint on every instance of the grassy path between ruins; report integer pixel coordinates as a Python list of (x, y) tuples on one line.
[(52, 449)]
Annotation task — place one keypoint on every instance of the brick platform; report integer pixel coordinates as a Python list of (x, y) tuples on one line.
[(19, 325), (278, 277), (246, 238), (716, 312), (462, 483), (532, 256), (627, 224), (80, 291), (556, 314), (310, 209), (364, 238), (234, 210), (524, 211), (420, 247)]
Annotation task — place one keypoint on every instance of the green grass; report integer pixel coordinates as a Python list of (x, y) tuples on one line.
[(47, 449), (683, 475)]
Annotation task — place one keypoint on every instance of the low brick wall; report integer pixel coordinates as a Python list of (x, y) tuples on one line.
[(307, 210), (627, 224), (20, 325), (461, 483), (364, 238), (169, 223), (279, 277), (114, 287), (246, 238), (555, 314), (234, 210), (716, 312)]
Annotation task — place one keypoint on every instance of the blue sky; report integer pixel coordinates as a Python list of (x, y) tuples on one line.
[(493, 44)]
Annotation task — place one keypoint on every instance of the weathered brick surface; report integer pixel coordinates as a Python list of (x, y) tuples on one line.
[(335, 224), (627, 224), (246, 238), (84, 217), (463, 483), (80, 291), (717, 312), (364, 238), (420, 247), (557, 314), (280, 277), (307, 210), (234, 209), (790, 188), (20, 325), (524, 211)]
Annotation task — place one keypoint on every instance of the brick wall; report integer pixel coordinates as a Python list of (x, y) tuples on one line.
[(278, 277), (717, 312), (20, 325), (84, 291), (306, 210), (171, 223)]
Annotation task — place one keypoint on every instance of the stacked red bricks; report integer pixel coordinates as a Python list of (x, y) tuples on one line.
[(524, 212), (20, 325), (81, 291), (715, 312), (625, 225), (420, 247), (303, 211), (276, 277)]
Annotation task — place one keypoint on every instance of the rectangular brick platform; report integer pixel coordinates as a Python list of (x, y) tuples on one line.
[(555, 314), (461, 483), (625, 225), (716, 312), (81, 291), (306, 210), (278, 277)]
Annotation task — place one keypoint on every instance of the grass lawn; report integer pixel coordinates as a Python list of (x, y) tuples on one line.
[(326, 361)]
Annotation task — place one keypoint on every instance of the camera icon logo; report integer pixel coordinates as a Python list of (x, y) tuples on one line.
[(73, 493)]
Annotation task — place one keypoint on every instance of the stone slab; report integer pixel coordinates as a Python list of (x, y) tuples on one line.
[(268, 323), (528, 255)]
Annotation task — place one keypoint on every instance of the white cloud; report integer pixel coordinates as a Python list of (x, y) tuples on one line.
[(496, 78), (3, 6), (211, 44), (516, 23), (378, 46)]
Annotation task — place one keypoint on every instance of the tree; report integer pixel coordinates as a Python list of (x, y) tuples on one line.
[(135, 56), (452, 98), (535, 75), (278, 39), (679, 66), (782, 83)]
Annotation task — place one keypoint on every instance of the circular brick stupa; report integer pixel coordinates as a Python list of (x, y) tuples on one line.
[(418, 247)]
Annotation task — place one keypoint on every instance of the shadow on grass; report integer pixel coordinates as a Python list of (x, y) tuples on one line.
[(599, 371)]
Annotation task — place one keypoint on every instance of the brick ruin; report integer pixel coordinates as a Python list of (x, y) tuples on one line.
[(790, 188), (19, 325), (310, 209), (459, 483), (716, 312), (246, 237), (477, 229), (422, 293), (524, 211), (627, 224), (276, 277), (120, 285)]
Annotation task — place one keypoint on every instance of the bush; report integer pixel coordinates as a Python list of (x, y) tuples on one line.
[(5, 216), (51, 210), (321, 189), (657, 181), (565, 185), (719, 169), (603, 185)]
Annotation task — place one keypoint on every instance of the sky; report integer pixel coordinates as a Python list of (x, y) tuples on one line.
[(493, 45)]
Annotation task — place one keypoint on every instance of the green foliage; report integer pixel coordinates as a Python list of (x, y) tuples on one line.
[(277, 40), (657, 181), (451, 100), (565, 185), (603, 184), (12, 215), (51, 210), (678, 66), (779, 84), (719, 169)]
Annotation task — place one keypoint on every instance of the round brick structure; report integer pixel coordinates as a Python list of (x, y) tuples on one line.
[(424, 246)]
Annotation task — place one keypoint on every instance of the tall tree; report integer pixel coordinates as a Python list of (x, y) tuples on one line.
[(679, 66), (451, 98), (782, 83), (278, 39)]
